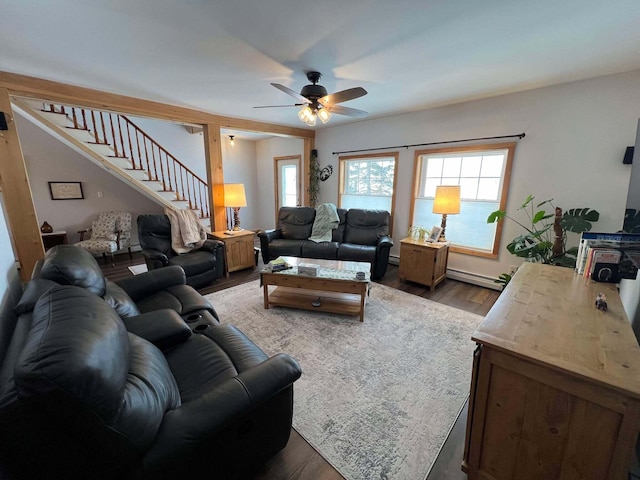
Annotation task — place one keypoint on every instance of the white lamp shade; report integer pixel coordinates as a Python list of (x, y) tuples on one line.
[(447, 200), (234, 195)]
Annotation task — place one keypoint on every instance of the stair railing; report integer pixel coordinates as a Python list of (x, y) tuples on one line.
[(130, 142)]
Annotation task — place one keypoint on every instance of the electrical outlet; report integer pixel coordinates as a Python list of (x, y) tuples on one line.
[(100, 195), (512, 269)]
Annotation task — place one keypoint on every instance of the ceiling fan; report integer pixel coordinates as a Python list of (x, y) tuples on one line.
[(315, 101)]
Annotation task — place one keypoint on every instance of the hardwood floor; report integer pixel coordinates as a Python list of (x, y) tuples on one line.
[(299, 460)]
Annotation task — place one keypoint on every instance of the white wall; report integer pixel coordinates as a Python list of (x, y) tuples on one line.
[(48, 159), (266, 151), (240, 166), (576, 136)]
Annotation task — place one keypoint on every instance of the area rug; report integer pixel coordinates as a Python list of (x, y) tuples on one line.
[(138, 269), (376, 399)]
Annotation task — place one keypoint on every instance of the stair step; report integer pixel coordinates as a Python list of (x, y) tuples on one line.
[(59, 119), (137, 174)]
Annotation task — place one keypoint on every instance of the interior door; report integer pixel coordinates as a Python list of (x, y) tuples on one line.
[(287, 179)]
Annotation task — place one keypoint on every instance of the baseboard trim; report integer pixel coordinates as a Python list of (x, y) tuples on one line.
[(473, 278), (461, 276)]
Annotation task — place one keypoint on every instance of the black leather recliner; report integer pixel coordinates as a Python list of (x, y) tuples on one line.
[(201, 266), (361, 236), (91, 389)]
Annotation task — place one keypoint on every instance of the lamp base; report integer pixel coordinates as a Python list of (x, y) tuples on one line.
[(443, 225), (236, 219)]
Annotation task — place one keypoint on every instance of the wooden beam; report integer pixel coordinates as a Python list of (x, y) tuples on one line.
[(40, 89), (215, 176), (306, 168), (21, 213)]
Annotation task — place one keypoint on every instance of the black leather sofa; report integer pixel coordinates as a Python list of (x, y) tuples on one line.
[(202, 266), (361, 236), (110, 381)]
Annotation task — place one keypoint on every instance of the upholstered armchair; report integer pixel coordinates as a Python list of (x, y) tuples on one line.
[(109, 234)]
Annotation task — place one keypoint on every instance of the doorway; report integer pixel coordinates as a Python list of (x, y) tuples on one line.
[(287, 180)]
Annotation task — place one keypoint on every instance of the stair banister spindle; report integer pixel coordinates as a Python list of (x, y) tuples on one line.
[(121, 137), (104, 129), (113, 135), (156, 162), (169, 176), (84, 119), (140, 157), (133, 158), (162, 174), (152, 169), (74, 118), (95, 127)]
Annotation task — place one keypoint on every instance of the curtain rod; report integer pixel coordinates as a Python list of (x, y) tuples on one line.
[(519, 135)]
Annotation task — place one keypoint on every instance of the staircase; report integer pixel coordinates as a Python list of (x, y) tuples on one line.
[(117, 144)]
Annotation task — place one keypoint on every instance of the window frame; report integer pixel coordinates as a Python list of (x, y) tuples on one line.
[(506, 180), (369, 156)]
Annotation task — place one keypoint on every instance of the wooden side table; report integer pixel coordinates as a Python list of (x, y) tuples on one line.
[(238, 249), (52, 239), (422, 262)]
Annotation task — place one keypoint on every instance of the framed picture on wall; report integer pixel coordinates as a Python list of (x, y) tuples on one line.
[(66, 190)]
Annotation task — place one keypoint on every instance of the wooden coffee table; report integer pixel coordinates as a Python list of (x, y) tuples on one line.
[(335, 289)]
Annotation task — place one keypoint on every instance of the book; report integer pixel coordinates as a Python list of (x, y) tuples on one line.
[(602, 256), (617, 241), (605, 272)]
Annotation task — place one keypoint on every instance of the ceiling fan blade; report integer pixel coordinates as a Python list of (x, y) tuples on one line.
[(342, 96), (279, 106), (349, 112), (288, 91)]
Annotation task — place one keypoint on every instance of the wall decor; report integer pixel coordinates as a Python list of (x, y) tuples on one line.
[(66, 190), (326, 172)]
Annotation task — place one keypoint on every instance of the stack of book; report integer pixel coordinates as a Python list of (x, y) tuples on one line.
[(601, 256)]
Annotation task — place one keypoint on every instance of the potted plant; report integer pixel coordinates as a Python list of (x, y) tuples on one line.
[(545, 236)]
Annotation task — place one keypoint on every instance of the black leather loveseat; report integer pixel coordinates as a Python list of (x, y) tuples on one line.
[(361, 236), (97, 384)]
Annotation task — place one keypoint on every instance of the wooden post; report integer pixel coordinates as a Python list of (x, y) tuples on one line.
[(215, 176), (309, 144), (16, 194)]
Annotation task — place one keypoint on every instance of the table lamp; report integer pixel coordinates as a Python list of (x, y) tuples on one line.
[(235, 198), (446, 202)]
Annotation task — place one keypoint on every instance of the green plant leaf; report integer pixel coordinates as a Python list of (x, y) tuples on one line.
[(528, 200), (542, 203), (538, 216), (579, 220), (495, 216)]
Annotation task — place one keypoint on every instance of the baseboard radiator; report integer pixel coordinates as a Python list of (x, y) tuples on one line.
[(461, 276)]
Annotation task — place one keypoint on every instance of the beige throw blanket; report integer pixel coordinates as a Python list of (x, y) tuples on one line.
[(326, 220), (187, 232)]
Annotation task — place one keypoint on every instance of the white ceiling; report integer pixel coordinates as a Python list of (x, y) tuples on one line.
[(220, 56)]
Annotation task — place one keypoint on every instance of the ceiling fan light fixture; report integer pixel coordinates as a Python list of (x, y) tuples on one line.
[(324, 115), (307, 116)]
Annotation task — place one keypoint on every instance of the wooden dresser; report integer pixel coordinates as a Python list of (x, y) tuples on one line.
[(555, 390)]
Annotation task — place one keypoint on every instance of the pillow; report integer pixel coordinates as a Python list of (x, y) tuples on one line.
[(104, 229), (32, 292)]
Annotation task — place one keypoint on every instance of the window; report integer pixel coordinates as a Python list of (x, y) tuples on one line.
[(368, 181), (483, 173)]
